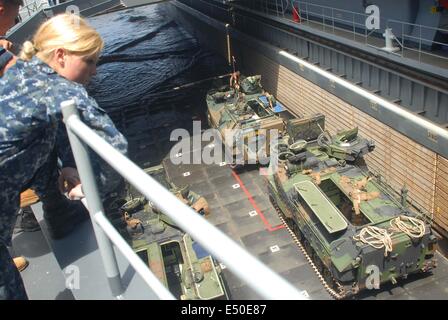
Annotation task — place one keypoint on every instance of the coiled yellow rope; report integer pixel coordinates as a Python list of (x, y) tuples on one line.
[(376, 237), (413, 227), (379, 237)]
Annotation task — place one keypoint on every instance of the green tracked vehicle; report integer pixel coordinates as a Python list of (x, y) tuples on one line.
[(180, 263), (356, 232), (248, 111)]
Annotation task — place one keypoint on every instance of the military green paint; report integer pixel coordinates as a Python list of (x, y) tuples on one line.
[(322, 207), (347, 259), (199, 278)]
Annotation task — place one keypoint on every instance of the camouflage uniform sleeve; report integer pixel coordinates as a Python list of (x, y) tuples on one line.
[(98, 120), (63, 148), (91, 114)]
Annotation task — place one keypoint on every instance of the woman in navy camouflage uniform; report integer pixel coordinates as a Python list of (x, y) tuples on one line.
[(53, 68)]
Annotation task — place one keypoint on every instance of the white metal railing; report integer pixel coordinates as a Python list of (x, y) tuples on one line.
[(409, 36), (259, 277), (151, 280), (31, 7)]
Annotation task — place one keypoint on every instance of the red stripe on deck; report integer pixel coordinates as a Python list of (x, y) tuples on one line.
[(254, 204)]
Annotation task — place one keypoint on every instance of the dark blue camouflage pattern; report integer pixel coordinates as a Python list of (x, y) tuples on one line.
[(31, 128), (11, 285)]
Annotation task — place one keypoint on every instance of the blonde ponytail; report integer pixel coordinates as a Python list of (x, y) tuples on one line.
[(65, 31), (28, 51)]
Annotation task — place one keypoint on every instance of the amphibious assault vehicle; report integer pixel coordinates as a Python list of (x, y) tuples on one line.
[(244, 114), (348, 222), (180, 263)]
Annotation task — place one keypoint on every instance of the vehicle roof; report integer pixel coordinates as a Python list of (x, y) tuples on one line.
[(323, 208)]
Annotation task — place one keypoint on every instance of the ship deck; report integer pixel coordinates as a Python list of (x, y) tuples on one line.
[(240, 207)]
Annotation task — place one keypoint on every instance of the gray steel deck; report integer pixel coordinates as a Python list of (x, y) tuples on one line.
[(52, 264), (230, 211), (233, 211)]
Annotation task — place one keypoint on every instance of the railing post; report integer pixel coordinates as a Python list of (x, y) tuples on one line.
[(81, 155), (354, 28), (307, 15), (420, 46), (332, 16), (366, 34), (323, 18), (402, 40)]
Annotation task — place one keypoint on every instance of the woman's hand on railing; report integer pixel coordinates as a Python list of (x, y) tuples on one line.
[(6, 44), (69, 181), (76, 193)]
